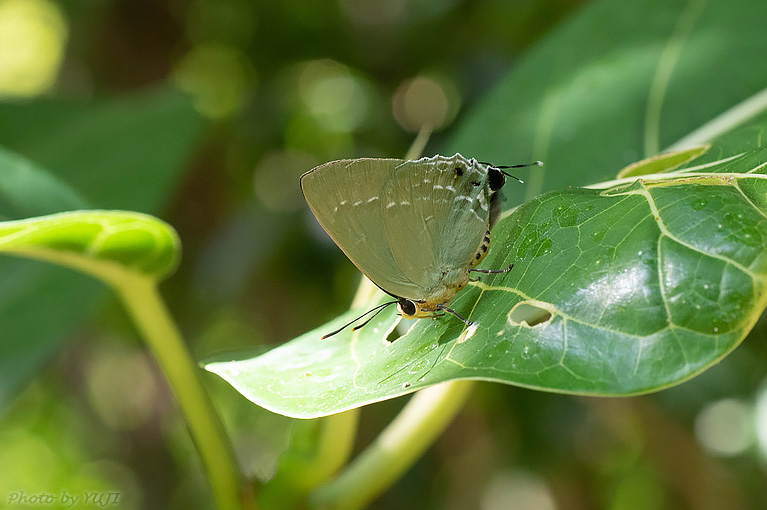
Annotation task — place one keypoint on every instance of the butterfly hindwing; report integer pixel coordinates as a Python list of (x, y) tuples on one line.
[(436, 214)]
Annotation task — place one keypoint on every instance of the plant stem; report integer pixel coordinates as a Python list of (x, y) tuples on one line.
[(422, 420), (419, 144), (334, 445), (146, 307), (318, 449)]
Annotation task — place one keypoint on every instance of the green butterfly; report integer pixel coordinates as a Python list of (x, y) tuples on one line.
[(415, 228)]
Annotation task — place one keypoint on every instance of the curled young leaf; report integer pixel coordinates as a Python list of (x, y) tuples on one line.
[(105, 244)]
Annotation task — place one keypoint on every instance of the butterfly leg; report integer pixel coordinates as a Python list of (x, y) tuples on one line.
[(492, 271), (489, 271), (456, 314)]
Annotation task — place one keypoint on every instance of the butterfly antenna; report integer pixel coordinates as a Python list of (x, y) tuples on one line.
[(506, 167), (379, 308), (456, 314), (359, 326)]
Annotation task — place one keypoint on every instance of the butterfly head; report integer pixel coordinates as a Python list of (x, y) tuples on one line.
[(408, 309)]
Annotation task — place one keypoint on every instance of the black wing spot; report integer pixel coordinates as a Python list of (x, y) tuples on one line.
[(475, 183), (479, 256), (458, 171)]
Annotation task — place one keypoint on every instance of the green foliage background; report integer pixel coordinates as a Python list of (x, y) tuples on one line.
[(119, 129)]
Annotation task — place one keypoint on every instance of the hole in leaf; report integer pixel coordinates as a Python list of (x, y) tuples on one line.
[(530, 313), (397, 330)]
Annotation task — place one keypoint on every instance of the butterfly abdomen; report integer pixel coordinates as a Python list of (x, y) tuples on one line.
[(484, 246)]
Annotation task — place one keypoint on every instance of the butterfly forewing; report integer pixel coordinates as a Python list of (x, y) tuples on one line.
[(345, 197)]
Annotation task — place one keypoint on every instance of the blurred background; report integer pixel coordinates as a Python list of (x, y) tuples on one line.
[(205, 113)]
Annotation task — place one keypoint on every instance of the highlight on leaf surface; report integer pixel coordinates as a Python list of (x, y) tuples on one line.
[(101, 243)]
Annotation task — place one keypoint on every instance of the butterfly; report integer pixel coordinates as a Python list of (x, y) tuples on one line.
[(415, 228)]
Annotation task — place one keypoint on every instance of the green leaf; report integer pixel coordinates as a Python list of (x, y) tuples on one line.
[(633, 288), (125, 153), (27, 191), (104, 244)]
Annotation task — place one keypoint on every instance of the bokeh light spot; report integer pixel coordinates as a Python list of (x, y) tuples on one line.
[(32, 38), (725, 427), (218, 76), (517, 489), (305, 133), (121, 387), (333, 96), (26, 452), (424, 102)]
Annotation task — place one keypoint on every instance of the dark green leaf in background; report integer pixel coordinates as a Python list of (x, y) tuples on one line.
[(38, 301), (26, 191), (618, 82), (121, 154)]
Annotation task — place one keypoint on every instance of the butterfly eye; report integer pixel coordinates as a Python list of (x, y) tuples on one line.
[(496, 179), (475, 183), (407, 307)]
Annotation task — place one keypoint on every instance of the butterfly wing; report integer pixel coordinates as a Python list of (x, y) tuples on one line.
[(345, 197), (436, 214)]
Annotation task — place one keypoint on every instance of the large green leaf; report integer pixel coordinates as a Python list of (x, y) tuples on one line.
[(614, 291), (125, 153)]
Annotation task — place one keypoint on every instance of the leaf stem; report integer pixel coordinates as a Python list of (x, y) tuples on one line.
[(140, 296), (422, 420), (318, 448), (419, 144), (334, 445)]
